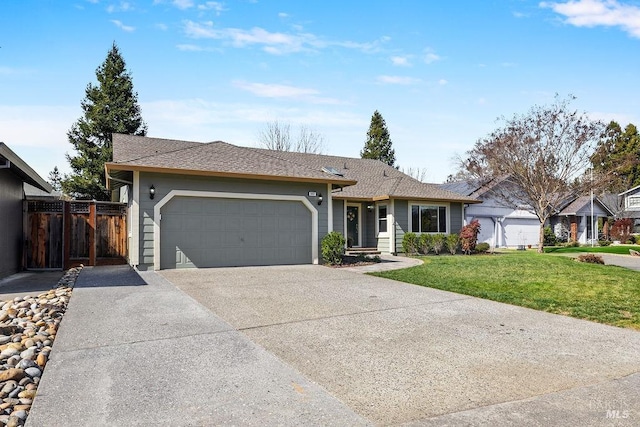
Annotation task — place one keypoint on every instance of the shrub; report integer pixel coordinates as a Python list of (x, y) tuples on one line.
[(333, 248), (591, 259), (572, 244), (482, 247), (604, 242), (452, 242), (621, 229), (425, 243), (550, 238), (438, 243), (469, 236), (410, 243)]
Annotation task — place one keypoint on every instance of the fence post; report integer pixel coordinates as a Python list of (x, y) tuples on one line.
[(66, 234), (92, 233)]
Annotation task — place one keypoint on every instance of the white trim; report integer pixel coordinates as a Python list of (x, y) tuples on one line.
[(157, 217), (359, 206), (434, 204), (134, 258), (329, 209), (384, 234)]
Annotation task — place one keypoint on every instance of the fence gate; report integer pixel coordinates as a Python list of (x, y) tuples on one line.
[(62, 234)]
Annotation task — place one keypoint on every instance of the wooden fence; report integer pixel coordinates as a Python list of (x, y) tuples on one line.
[(61, 234)]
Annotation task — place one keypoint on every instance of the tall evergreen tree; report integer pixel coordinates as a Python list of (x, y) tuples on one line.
[(109, 107), (617, 156), (378, 144), (55, 179)]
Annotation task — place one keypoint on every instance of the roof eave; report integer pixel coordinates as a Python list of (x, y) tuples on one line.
[(177, 171), (23, 170)]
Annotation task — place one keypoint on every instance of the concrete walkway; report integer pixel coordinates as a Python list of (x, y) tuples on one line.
[(389, 262), (311, 345)]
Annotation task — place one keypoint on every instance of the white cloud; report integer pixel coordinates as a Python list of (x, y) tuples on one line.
[(183, 4), (123, 6), (283, 15), (397, 80), (212, 5), (431, 57), (123, 27), (401, 61), (276, 43), (264, 90), (593, 13), (163, 27), (442, 82)]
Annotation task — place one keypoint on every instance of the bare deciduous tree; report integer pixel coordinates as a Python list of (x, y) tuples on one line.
[(277, 136), (418, 173), (540, 156)]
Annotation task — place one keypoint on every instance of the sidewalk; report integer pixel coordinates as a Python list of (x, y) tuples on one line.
[(134, 350)]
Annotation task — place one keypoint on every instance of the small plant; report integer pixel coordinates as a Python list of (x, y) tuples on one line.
[(438, 243), (425, 243), (550, 238), (452, 242), (482, 248), (333, 248), (621, 229), (469, 236), (572, 244), (410, 243), (591, 259), (604, 242)]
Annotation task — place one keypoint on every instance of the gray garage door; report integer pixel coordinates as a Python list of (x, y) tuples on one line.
[(212, 232)]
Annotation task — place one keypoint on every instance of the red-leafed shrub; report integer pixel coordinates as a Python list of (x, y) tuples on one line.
[(621, 229), (469, 236), (591, 259)]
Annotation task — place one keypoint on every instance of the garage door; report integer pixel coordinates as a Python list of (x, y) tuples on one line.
[(218, 232), (520, 231)]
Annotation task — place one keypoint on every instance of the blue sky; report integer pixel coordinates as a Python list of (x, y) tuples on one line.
[(439, 72)]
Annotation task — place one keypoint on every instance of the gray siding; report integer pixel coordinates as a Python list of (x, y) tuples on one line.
[(164, 183), (455, 215), (338, 216), (11, 195), (401, 215)]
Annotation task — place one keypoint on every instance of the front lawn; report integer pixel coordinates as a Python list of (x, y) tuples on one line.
[(613, 249), (601, 293)]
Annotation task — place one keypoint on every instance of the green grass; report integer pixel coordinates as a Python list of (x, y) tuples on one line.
[(601, 293), (613, 249)]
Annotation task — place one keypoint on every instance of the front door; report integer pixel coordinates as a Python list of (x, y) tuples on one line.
[(353, 225)]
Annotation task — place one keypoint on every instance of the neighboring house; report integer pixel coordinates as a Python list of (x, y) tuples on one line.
[(631, 206), (574, 220), (215, 204), (14, 174), (504, 226), (501, 225)]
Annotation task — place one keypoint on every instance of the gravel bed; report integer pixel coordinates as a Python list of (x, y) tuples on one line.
[(28, 327)]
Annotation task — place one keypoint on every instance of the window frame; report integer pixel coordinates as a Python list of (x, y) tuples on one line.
[(633, 201), (378, 219), (437, 205)]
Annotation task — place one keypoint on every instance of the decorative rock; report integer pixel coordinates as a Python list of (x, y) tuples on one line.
[(26, 363), (4, 339), (11, 374), (27, 394), (20, 414), (33, 372), (9, 386), (21, 407), (13, 360), (14, 421), (8, 352), (29, 353)]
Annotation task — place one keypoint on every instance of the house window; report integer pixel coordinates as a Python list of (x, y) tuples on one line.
[(428, 219), (633, 202), (382, 218)]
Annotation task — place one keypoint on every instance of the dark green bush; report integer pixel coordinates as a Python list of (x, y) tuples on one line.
[(575, 244), (604, 242), (410, 243), (333, 248), (550, 238), (482, 247)]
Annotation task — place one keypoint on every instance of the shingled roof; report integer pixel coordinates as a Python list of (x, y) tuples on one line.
[(362, 179)]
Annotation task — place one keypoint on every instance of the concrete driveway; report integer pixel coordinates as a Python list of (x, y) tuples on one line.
[(403, 354)]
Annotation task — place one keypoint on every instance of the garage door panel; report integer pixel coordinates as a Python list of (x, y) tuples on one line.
[(213, 232)]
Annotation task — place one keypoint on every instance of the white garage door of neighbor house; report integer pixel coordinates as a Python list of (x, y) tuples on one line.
[(520, 231), (215, 232)]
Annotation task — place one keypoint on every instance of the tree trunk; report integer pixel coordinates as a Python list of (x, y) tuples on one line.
[(541, 239)]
